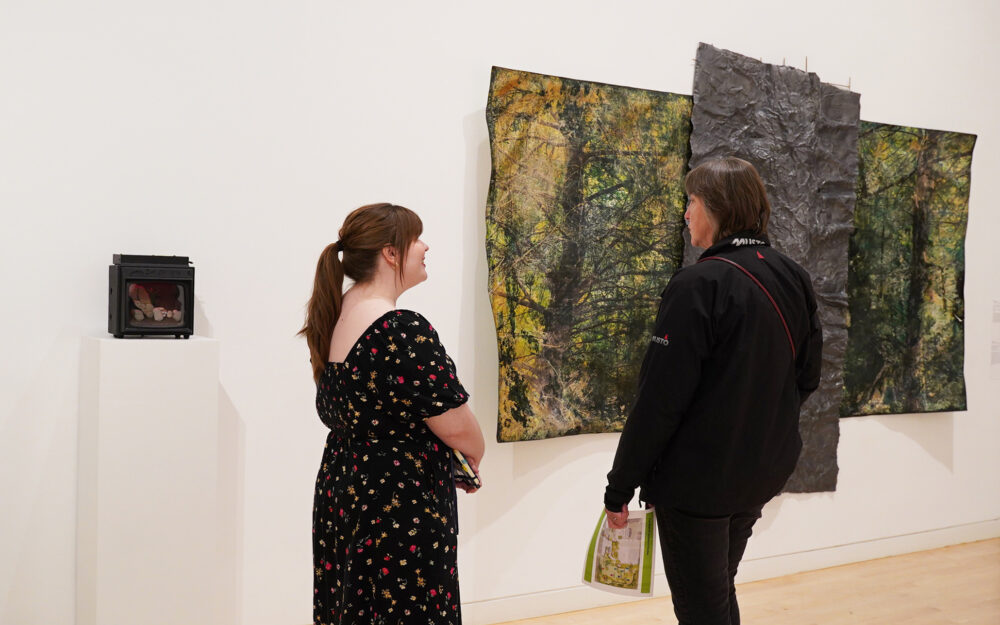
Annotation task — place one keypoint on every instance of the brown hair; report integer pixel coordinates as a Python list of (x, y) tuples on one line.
[(733, 194), (366, 231)]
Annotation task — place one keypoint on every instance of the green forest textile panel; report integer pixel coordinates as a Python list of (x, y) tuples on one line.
[(907, 264), (583, 231)]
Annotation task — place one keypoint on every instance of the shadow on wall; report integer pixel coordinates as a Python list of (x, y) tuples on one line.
[(934, 432), (533, 460), (476, 320), (202, 327), (477, 324), (38, 432), (232, 482), (772, 509)]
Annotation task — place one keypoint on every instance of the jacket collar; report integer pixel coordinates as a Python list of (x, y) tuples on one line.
[(747, 238)]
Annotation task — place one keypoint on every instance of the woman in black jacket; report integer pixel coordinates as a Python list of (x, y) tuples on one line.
[(713, 434)]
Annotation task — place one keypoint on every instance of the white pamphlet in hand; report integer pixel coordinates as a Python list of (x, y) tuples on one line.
[(621, 561)]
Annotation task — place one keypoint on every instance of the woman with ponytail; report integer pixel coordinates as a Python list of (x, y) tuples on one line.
[(385, 522)]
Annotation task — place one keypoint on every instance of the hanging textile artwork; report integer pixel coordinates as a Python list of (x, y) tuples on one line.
[(801, 135), (907, 266), (583, 230)]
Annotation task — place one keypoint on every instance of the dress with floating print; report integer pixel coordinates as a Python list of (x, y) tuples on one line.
[(385, 524)]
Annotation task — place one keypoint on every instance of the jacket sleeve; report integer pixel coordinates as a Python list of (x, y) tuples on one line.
[(810, 358), (670, 373)]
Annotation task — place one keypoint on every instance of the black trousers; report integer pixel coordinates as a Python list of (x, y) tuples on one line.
[(701, 555)]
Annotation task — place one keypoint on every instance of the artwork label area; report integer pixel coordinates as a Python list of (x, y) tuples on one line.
[(907, 266), (583, 230)]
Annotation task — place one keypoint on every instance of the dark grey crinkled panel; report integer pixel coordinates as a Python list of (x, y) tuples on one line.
[(802, 136)]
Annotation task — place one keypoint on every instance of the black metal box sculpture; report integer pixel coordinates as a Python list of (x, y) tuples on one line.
[(151, 295)]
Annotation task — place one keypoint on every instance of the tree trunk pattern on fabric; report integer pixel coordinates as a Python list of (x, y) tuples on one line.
[(583, 231), (906, 352)]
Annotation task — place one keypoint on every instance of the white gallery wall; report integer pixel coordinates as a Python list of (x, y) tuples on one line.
[(241, 134)]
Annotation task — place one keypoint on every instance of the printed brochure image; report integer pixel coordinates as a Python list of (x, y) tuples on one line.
[(621, 560)]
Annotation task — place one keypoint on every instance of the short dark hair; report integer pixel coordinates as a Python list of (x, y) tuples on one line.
[(733, 193)]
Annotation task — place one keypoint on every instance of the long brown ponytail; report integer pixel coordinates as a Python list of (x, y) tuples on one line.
[(365, 232)]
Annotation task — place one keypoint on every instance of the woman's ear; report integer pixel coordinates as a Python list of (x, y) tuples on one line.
[(389, 254)]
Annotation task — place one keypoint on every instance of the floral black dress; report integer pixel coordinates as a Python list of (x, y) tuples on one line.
[(385, 526)]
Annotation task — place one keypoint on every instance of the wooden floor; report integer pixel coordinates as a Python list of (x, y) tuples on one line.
[(957, 584)]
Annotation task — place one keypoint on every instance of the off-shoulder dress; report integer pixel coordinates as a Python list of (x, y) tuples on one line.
[(385, 525)]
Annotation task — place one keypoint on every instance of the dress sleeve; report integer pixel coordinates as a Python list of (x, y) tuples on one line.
[(422, 372)]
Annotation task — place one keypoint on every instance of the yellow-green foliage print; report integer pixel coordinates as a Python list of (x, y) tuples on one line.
[(614, 572), (905, 348), (583, 231)]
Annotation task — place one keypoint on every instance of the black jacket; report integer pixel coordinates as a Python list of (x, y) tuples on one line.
[(715, 427)]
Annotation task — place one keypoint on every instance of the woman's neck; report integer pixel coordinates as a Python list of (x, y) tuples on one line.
[(383, 287)]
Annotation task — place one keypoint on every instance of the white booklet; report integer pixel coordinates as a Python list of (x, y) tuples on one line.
[(621, 561)]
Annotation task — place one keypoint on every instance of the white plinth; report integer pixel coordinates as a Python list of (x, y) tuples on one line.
[(150, 532)]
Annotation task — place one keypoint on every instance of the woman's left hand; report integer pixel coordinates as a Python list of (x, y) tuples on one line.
[(469, 488), (618, 520)]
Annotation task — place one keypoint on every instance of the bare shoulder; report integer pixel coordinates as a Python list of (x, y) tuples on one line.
[(356, 317)]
